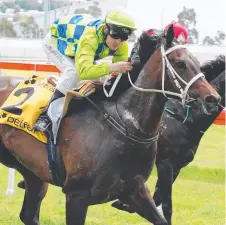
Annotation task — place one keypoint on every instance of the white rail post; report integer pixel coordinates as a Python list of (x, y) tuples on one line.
[(10, 190)]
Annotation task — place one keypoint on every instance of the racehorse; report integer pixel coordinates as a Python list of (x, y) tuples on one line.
[(108, 148), (175, 153), (180, 135)]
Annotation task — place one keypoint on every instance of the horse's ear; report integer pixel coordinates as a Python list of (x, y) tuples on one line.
[(169, 35)]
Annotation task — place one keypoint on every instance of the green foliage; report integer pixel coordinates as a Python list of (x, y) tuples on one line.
[(93, 10), (220, 37), (81, 11), (6, 28), (217, 40), (28, 27), (187, 17), (16, 9)]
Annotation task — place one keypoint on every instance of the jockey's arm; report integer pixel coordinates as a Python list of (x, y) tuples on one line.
[(84, 59)]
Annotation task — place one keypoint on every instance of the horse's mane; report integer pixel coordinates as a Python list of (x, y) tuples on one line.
[(214, 67), (143, 48)]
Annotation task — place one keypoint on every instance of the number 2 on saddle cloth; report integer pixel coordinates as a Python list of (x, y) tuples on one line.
[(25, 104)]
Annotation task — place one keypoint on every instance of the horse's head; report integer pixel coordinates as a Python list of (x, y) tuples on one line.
[(179, 71), (197, 116)]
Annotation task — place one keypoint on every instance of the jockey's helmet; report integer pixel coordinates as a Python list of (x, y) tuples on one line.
[(120, 24)]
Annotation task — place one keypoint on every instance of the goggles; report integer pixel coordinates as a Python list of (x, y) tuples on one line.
[(121, 33)]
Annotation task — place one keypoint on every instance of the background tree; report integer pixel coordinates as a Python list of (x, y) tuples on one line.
[(81, 11), (217, 40), (220, 38), (16, 8), (28, 27), (40, 33), (95, 10), (6, 28), (208, 41), (187, 17)]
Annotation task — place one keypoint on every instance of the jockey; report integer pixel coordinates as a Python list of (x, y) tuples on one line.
[(75, 43), (180, 34)]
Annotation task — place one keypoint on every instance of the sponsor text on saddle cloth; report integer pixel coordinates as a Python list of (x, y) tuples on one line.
[(25, 104)]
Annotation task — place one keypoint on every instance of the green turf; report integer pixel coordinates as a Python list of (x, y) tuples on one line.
[(198, 194)]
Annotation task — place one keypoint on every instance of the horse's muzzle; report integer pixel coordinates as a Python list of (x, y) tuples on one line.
[(211, 103)]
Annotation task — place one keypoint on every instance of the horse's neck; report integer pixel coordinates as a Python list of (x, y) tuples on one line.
[(142, 111)]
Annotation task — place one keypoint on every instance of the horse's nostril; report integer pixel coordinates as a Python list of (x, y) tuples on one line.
[(211, 99)]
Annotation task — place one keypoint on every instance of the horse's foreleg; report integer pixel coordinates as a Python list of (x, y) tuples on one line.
[(143, 203), (34, 194), (176, 172), (77, 202), (164, 188), (157, 194)]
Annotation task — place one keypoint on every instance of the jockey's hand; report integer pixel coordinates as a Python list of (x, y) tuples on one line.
[(121, 67)]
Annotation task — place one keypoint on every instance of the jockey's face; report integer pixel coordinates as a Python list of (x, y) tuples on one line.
[(113, 43)]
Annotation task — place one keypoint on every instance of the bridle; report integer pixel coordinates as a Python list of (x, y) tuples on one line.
[(176, 78)]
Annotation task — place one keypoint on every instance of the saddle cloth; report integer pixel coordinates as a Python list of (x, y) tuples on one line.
[(30, 98), (25, 104)]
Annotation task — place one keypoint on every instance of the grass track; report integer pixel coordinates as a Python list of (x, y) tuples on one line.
[(198, 194)]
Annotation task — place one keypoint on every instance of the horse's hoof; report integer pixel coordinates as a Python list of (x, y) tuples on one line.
[(21, 184), (121, 206)]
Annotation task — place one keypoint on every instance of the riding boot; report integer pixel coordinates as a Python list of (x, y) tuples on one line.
[(44, 122)]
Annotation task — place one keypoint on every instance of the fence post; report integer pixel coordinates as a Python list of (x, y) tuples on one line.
[(10, 190)]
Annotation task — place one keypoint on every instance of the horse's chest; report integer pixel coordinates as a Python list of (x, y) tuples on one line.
[(120, 173)]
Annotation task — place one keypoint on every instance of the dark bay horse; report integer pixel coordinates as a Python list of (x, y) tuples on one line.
[(179, 141), (110, 155), (180, 135)]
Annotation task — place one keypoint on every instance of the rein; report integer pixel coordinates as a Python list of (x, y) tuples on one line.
[(176, 78), (181, 118), (122, 129)]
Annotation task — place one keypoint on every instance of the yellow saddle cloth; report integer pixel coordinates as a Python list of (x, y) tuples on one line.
[(29, 99), (25, 104)]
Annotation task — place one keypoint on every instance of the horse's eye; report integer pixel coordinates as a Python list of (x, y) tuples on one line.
[(181, 64)]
